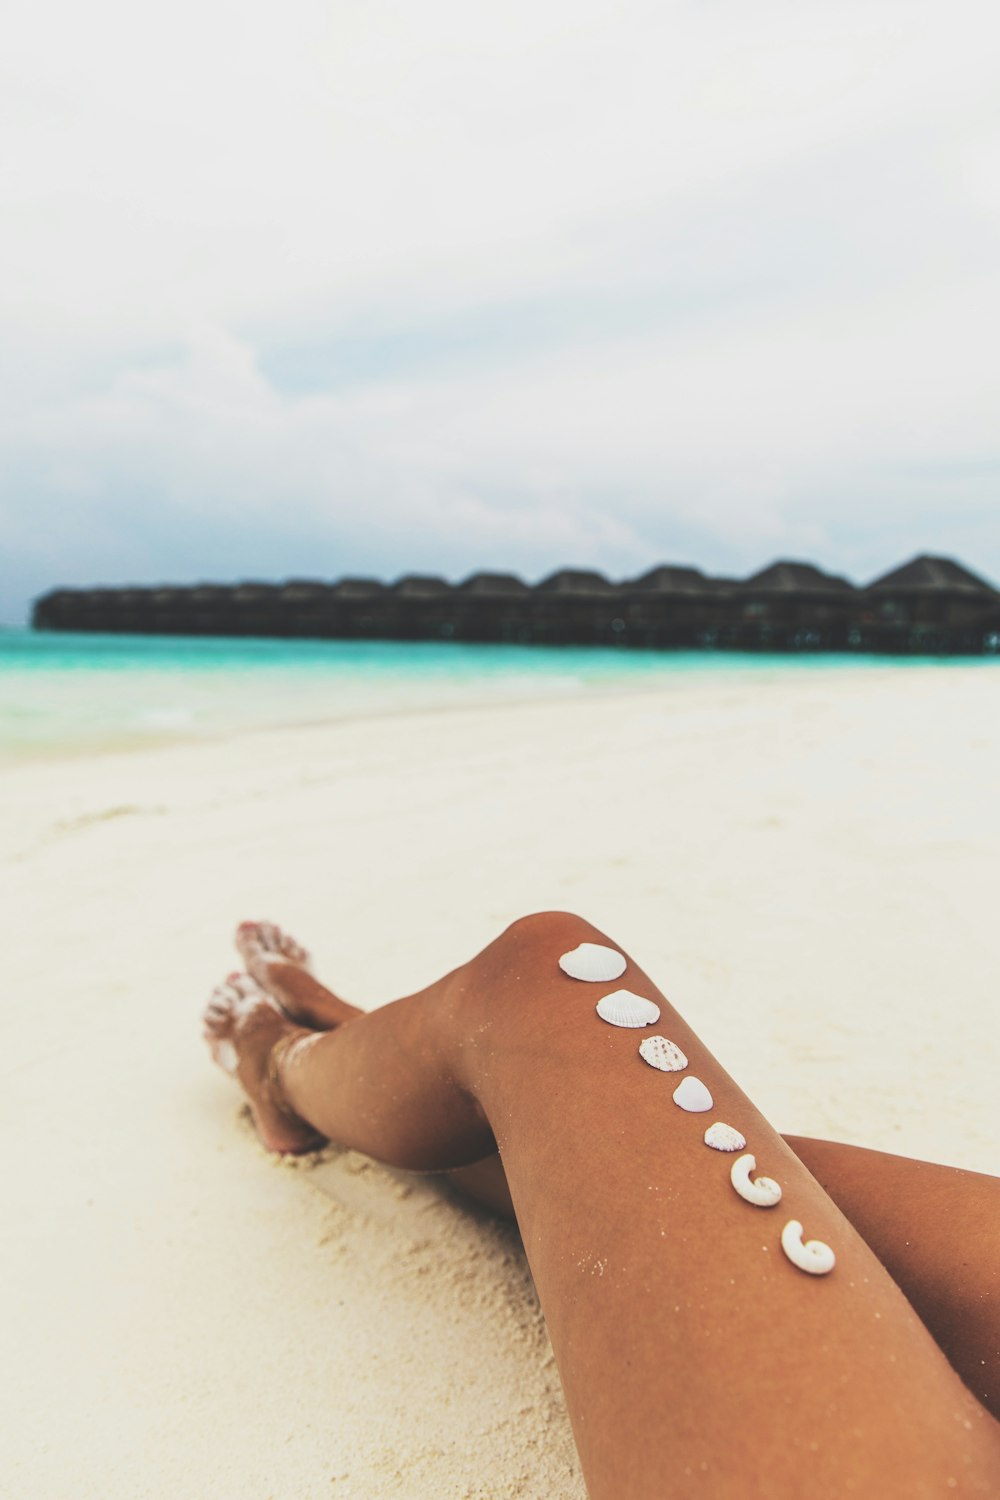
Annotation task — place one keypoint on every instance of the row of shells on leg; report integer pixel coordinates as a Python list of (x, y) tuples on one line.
[(596, 963)]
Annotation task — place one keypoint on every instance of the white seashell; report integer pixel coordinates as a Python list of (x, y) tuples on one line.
[(660, 1053), (692, 1095), (764, 1192), (813, 1256), (594, 962), (622, 1008), (724, 1137)]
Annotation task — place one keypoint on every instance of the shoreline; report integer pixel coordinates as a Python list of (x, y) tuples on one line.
[(474, 695)]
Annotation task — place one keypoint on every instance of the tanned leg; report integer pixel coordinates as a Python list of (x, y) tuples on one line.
[(934, 1228), (696, 1360)]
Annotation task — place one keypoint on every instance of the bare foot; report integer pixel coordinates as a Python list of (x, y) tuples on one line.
[(280, 966), (242, 1026)]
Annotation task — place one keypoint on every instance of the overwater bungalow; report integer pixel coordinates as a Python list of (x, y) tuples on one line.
[(671, 606), (789, 606), (929, 604), (418, 607), (576, 606), (491, 607), (359, 609), (307, 608), (255, 609)]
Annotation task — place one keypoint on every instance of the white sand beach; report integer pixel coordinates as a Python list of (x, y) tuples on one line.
[(809, 868)]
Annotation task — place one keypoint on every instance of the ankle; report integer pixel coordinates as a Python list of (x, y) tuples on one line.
[(277, 1061)]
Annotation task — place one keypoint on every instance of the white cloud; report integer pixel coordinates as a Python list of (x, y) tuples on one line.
[(733, 267)]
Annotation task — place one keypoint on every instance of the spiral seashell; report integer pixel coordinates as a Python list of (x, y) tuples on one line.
[(594, 962), (724, 1137), (763, 1193), (692, 1095), (813, 1256), (660, 1053), (622, 1008)]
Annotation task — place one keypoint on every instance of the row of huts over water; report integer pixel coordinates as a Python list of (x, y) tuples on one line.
[(931, 604)]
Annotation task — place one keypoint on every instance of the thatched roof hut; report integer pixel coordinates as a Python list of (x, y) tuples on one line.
[(304, 590), (358, 588), (790, 604), (421, 586), (490, 607), (491, 585), (926, 576), (794, 579), (928, 604), (575, 581), (576, 606), (671, 578), (671, 605)]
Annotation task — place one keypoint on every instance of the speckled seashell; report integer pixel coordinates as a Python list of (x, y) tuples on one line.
[(660, 1053), (724, 1137), (622, 1008), (813, 1256), (763, 1192), (594, 962), (692, 1095)]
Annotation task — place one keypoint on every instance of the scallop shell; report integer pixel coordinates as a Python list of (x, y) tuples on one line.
[(692, 1095), (594, 962), (660, 1053), (724, 1137), (764, 1192), (622, 1008), (813, 1256)]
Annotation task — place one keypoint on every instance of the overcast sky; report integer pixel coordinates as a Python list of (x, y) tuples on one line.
[(337, 286)]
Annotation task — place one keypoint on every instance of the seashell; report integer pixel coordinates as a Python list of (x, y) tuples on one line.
[(813, 1256), (763, 1193), (692, 1095), (724, 1137), (622, 1008), (660, 1053), (594, 962)]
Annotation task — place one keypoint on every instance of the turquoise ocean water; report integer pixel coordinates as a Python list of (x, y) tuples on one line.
[(67, 694)]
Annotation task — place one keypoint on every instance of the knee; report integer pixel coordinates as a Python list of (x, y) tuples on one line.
[(548, 931)]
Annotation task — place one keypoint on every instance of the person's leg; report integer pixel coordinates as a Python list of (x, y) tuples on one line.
[(937, 1231), (696, 1360), (934, 1228)]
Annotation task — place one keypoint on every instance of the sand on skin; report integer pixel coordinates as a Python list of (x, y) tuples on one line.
[(808, 869)]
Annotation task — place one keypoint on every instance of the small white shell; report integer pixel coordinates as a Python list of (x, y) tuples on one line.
[(660, 1053), (813, 1256), (692, 1095), (763, 1193), (622, 1008), (594, 962), (724, 1137)]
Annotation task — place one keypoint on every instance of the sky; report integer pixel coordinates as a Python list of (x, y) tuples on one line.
[(339, 286)]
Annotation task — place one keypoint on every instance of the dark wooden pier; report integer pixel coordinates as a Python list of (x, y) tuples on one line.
[(929, 605)]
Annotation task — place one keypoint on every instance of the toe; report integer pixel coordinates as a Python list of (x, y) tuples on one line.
[(294, 950), (270, 934), (246, 988), (248, 937)]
